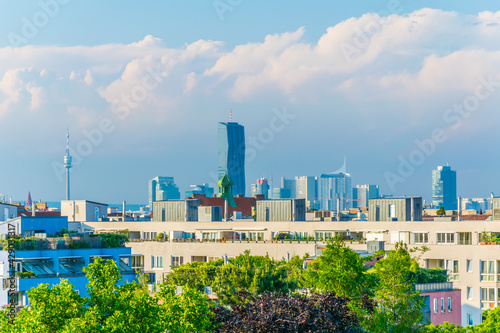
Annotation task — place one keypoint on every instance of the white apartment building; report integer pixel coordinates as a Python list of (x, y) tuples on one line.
[(454, 245)]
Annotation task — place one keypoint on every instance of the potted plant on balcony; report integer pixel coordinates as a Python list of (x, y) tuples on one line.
[(223, 240), (494, 240), (485, 238), (275, 239)]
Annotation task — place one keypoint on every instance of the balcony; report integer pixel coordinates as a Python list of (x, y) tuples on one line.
[(431, 287)]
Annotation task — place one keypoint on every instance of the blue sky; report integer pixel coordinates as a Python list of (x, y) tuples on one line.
[(390, 102)]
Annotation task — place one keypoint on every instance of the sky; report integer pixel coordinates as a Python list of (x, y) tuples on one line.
[(398, 87)]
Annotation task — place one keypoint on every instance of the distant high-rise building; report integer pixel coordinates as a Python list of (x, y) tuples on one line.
[(162, 188), (479, 204), (444, 188), (204, 189), (362, 193), (232, 154), (304, 187), (279, 193), (333, 187), (261, 188)]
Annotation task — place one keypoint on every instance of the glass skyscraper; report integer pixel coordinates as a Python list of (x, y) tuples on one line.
[(232, 154), (444, 188), (335, 186), (162, 188)]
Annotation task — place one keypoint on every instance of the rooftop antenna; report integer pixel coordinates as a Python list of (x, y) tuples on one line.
[(230, 115)]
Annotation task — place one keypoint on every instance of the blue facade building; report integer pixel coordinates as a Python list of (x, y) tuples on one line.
[(161, 189), (45, 258), (444, 188), (204, 189), (232, 154), (334, 187)]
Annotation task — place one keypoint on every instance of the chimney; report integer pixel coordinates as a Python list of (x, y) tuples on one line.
[(124, 209), (33, 208), (459, 208)]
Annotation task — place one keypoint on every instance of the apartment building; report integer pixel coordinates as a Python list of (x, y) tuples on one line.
[(457, 246)]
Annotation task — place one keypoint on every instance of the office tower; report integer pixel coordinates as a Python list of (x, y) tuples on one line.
[(362, 193), (261, 188), (444, 188), (304, 187), (162, 188), (232, 154), (279, 193), (334, 187), (204, 189)]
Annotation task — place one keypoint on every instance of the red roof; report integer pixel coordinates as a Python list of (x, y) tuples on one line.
[(243, 205), (464, 217)]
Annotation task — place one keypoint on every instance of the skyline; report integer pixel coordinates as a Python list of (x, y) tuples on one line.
[(423, 89)]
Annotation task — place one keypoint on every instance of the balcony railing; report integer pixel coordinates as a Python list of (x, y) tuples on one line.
[(428, 287)]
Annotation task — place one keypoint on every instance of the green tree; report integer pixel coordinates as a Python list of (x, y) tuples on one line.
[(110, 307), (399, 306), (441, 211), (195, 275), (256, 274), (339, 269)]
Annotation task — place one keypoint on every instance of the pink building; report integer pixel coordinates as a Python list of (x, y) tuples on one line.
[(441, 302)]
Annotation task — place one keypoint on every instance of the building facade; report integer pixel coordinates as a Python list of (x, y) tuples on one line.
[(395, 209), (84, 210), (162, 188), (362, 193), (204, 189), (335, 187), (261, 187), (231, 146), (444, 188), (454, 246)]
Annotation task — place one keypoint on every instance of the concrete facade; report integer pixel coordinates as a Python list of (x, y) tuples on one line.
[(395, 209), (83, 210), (454, 245)]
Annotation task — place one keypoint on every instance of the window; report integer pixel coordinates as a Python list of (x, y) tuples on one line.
[(442, 304), (435, 305), (256, 236), (452, 267), (176, 260), (449, 304), (498, 270), (212, 258), (487, 269), (323, 235), (445, 238), (487, 298), (469, 293), (157, 261), (464, 238), (392, 211), (469, 266), (302, 235), (421, 238), (470, 321), (209, 235), (137, 262)]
